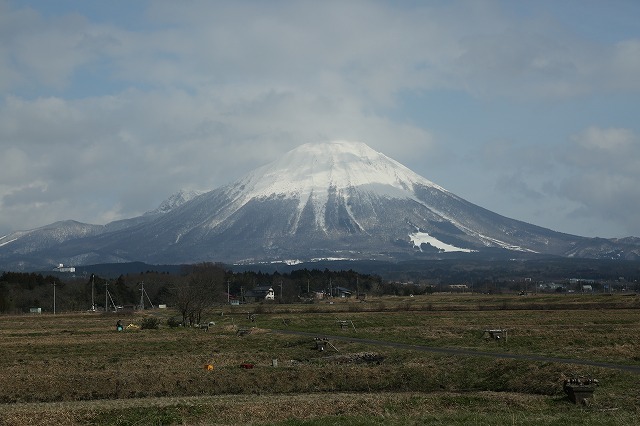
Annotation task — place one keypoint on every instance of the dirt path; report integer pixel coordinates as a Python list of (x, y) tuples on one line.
[(468, 352)]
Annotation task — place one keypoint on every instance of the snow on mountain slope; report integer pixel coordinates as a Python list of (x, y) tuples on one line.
[(47, 236), (314, 168), (175, 200), (312, 174), (57, 233)]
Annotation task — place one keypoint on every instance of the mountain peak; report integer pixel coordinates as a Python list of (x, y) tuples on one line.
[(315, 168), (176, 200)]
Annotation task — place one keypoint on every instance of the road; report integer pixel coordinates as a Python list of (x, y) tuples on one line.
[(467, 352)]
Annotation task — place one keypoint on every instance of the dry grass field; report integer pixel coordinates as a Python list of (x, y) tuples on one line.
[(77, 369)]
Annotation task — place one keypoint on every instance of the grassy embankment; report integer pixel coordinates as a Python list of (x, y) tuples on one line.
[(76, 369)]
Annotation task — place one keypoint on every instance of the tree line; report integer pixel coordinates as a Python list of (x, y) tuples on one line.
[(191, 291)]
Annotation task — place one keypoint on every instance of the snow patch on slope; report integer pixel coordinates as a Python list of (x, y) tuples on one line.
[(505, 245), (7, 242), (419, 238)]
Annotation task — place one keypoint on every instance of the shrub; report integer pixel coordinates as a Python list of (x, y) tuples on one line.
[(173, 322), (355, 307), (150, 323)]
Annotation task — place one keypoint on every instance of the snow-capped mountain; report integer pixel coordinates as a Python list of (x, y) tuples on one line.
[(331, 200), (175, 200)]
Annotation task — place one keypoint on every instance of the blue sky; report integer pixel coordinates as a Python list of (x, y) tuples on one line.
[(527, 108)]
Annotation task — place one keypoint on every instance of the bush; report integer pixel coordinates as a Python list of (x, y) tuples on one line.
[(150, 323), (173, 322)]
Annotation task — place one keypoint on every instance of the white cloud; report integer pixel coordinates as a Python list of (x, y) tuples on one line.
[(625, 65), (101, 120), (609, 142), (603, 171), (597, 146)]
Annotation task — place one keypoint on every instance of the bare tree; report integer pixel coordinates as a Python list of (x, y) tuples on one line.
[(183, 297), (200, 289)]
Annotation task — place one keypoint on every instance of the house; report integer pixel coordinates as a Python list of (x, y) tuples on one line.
[(548, 287), (459, 288), (341, 292), (231, 298), (62, 268), (260, 293)]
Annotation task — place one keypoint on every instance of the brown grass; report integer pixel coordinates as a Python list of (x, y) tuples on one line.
[(255, 410), (76, 369)]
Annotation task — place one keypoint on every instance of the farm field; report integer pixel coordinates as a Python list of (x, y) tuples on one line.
[(75, 368)]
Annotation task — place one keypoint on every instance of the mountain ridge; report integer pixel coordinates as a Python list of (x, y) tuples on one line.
[(336, 199)]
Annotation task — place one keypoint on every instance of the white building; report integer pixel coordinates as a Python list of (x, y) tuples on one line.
[(260, 293), (62, 268)]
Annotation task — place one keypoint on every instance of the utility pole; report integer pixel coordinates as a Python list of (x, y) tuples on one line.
[(281, 290), (54, 297), (93, 284), (142, 295), (228, 292), (106, 295)]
